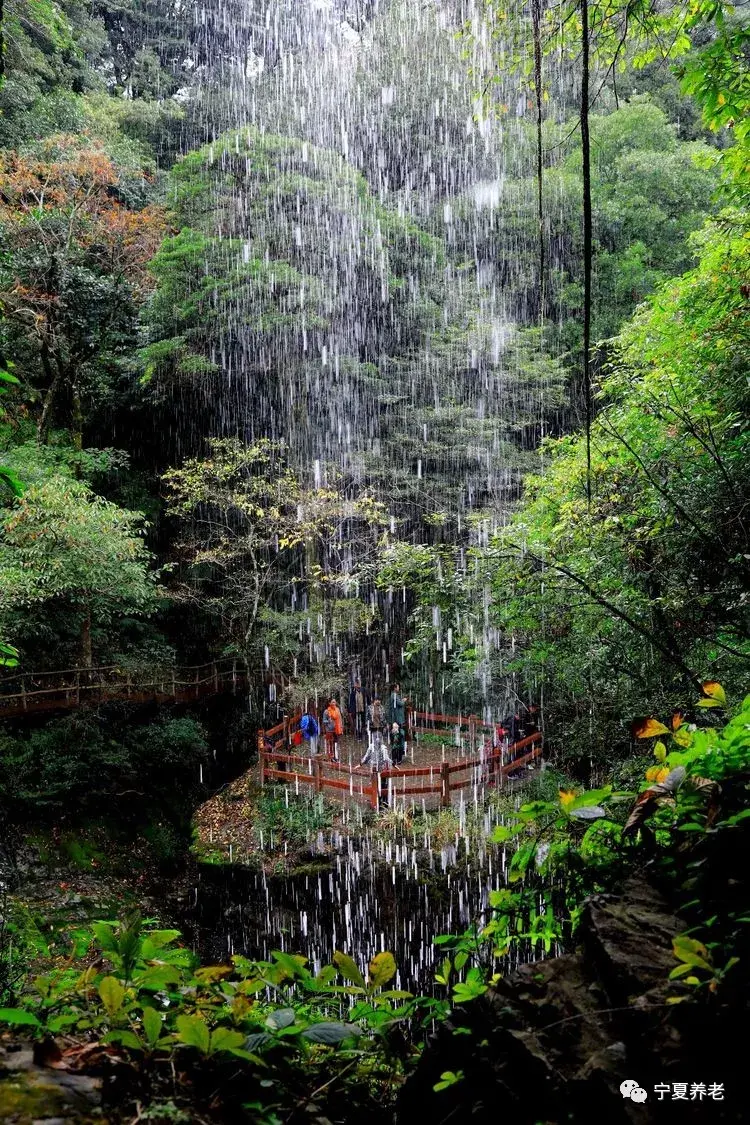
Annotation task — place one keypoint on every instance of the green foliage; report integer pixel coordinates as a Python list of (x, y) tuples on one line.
[(257, 533), (294, 818), (689, 818), (266, 1033), (60, 543), (719, 78), (646, 582), (251, 287), (78, 762)]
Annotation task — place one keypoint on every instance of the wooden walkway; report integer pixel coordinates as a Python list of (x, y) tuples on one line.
[(33, 692), (486, 765)]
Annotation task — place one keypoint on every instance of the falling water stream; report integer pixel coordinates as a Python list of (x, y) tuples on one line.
[(365, 185), (361, 893)]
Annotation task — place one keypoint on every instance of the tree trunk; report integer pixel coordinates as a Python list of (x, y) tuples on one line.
[(536, 22), (587, 235), (86, 649), (76, 416)]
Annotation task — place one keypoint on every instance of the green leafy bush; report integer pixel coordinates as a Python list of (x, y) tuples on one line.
[(293, 818), (270, 1036), (79, 760)]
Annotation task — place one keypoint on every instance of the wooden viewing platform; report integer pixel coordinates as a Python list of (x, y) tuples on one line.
[(488, 768)]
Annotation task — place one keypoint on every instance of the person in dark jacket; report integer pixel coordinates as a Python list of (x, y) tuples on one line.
[(398, 744), (396, 707), (358, 703)]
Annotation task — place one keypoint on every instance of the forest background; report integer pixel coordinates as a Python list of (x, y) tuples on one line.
[(400, 340)]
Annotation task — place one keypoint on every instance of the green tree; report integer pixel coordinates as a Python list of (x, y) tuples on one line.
[(643, 595), (277, 562), (63, 547)]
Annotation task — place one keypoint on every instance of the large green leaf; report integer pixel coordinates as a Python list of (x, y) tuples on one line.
[(348, 969), (152, 1026), (282, 1017), (11, 480), (125, 1038), (193, 1032), (588, 812), (294, 967), (18, 1017), (112, 994), (256, 1040), (105, 936), (521, 861), (331, 1033), (224, 1039), (157, 939), (158, 977)]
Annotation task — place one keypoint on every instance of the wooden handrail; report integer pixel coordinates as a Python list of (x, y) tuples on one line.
[(440, 774), (100, 668), (73, 686), (453, 720)]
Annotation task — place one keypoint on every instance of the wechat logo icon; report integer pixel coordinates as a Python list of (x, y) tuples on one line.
[(630, 1089)]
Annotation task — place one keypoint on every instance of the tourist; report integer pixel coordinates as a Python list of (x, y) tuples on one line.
[(376, 757), (516, 729), (396, 710), (333, 726), (376, 715), (358, 710), (310, 729), (398, 744)]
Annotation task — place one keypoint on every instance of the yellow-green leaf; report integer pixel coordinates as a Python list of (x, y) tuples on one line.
[(714, 690), (112, 994), (382, 969), (348, 969), (193, 1032), (151, 1026)]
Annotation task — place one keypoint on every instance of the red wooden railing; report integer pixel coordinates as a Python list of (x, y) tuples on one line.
[(489, 768), (77, 687)]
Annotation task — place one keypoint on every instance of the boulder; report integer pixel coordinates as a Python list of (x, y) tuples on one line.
[(554, 1040)]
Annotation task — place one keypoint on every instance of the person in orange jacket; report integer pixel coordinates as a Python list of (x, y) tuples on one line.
[(333, 725)]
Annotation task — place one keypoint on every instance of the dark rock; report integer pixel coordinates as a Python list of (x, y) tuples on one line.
[(35, 1095), (554, 1040)]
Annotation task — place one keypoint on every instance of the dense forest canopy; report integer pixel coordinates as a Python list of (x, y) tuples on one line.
[(388, 342)]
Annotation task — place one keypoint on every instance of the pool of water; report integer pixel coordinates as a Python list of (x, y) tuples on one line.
[(374, 896)]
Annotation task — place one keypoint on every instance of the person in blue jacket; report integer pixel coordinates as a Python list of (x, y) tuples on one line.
[(308, 724)]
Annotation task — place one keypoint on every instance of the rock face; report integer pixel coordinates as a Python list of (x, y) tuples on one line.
[(37, 1095), (553, 1042)]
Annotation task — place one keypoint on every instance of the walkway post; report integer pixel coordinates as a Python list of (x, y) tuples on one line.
[(262, 756), (445, 785), (318, 774)]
